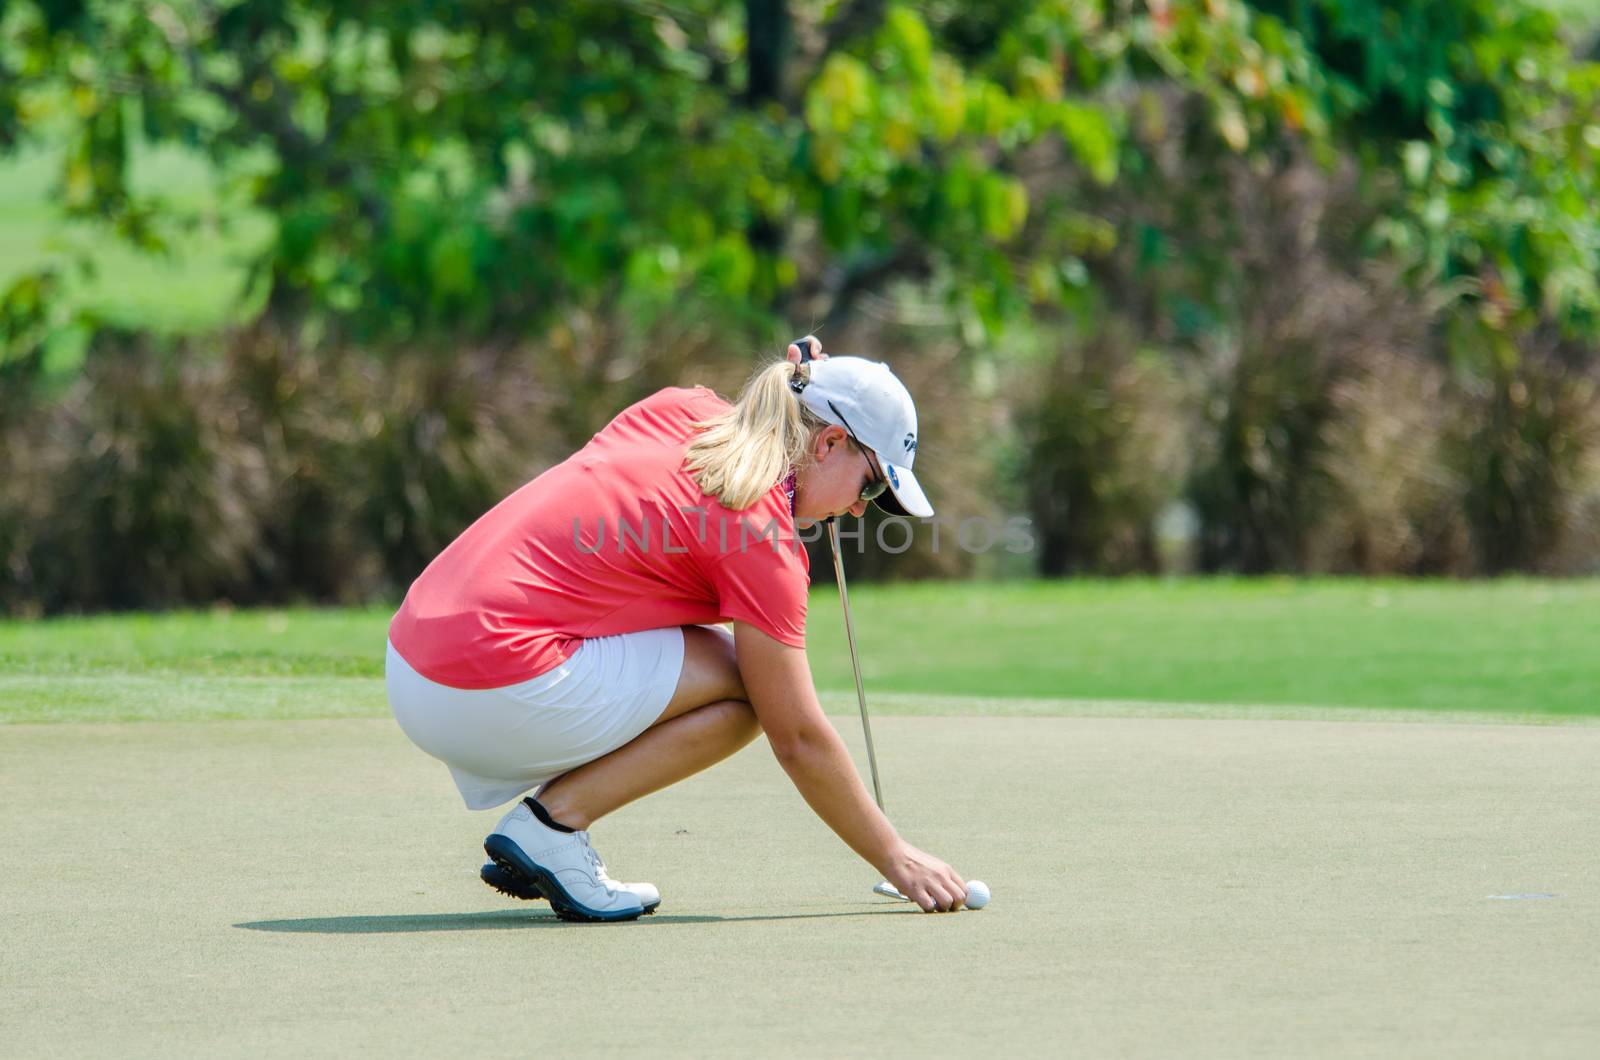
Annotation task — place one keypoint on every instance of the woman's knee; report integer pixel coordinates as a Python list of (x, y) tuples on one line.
[(740, 718), (729, 723)]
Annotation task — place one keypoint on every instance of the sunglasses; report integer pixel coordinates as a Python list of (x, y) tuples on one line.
[(874, 489)]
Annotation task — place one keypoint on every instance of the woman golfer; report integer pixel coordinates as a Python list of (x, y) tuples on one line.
[(559, 644)]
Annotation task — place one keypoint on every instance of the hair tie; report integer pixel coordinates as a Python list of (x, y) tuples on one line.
[(801, 377)]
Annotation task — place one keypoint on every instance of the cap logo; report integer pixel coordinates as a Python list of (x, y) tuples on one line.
[(911, 443), (894, 479)]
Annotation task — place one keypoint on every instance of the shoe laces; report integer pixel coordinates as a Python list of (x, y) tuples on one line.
[(599, 866)]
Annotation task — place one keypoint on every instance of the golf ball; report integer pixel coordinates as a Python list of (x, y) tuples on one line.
[(977, 894)]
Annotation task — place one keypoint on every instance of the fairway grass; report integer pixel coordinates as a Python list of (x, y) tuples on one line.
[(1517, 650)]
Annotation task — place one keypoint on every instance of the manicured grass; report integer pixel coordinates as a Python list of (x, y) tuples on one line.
[(1526, 648), (1514, 646), (265, 643)]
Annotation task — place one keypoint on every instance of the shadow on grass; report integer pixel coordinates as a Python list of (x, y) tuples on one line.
[(500, 919)]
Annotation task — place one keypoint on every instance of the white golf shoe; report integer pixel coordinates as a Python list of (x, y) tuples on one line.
[(564, 868), (515, 885), (647, 894)]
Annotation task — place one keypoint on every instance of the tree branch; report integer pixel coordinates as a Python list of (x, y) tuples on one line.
[(845, 286)]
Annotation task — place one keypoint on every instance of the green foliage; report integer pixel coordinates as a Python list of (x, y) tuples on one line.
[(1480, 110), (25, 327), (504, 176), (479, 166)]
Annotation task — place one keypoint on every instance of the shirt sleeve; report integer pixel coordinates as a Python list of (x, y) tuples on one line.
[(766, 587)]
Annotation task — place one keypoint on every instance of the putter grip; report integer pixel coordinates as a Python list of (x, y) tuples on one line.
[(806, 349)]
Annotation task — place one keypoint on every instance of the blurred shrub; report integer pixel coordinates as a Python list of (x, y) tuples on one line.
[(1302, 322), (432, 444), (260, 474), (1331, 437), (1579, 550), (303, 426), (1104, 443), (1524, 444), (263, 467), (1399, 505), (377, 462), (141, 487), (22, 507)]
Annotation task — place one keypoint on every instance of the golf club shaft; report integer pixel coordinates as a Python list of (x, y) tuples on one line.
[(855, 663)]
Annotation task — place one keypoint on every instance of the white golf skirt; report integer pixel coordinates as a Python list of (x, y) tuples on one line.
[(501, 742)]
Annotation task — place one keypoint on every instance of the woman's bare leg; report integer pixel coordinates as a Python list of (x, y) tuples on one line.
[(658, 757), (708, 719)]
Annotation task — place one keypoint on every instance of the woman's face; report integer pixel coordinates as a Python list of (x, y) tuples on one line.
[(832, 484)]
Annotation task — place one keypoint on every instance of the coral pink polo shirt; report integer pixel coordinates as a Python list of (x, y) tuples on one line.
[(616, 539)]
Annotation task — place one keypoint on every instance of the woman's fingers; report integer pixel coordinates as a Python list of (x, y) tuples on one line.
[(793, 352), (927, 881), (953, 897), (939, 896), (922, 893)]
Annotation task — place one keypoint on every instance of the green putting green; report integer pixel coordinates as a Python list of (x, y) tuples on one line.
[(1161, 886)]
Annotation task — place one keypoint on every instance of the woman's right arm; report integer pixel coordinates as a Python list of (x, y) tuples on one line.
[(777, 679)]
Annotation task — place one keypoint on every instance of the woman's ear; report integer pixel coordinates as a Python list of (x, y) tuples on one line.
[(827, 439)]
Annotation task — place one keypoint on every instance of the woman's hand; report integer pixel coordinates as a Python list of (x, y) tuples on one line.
[(926, 880), (793, 353)]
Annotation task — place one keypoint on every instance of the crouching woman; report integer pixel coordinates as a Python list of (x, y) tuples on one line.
[(562, 645)]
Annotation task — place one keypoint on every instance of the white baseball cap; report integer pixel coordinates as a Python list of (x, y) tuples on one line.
[(866, 399)]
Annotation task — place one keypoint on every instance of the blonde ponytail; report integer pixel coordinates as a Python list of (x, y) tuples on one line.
[(744, 452)]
